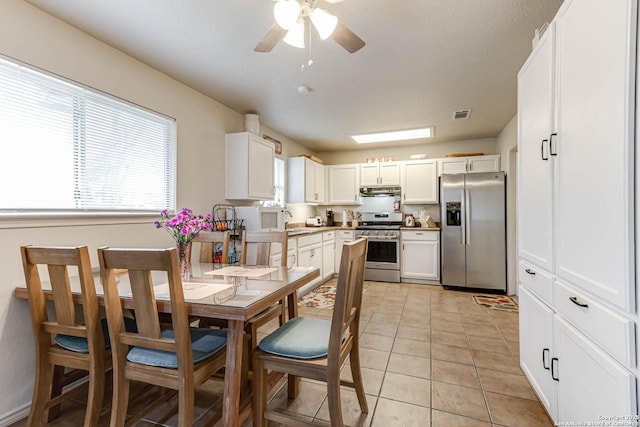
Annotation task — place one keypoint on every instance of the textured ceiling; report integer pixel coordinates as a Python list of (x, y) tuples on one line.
[(423, 60)]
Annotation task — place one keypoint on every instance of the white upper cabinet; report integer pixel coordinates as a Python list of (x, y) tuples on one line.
[(419, 181), (576, 108), (249, 170), (385, 173), (470, 164), (535, 163), (344, 184), (595, 107), (305, 181)]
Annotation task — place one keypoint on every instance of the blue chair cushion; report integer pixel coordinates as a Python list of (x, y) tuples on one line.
[(80, 344), (299, 338), (204, 343)]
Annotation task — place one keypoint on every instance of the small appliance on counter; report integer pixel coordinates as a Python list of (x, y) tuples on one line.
[(409, 221), (330, 220), (314, 221)]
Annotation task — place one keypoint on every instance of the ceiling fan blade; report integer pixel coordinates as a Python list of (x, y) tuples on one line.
[(273, 36), (333, 1), (347, 38)]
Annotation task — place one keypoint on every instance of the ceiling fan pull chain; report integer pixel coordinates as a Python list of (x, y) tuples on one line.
[(308, 49)]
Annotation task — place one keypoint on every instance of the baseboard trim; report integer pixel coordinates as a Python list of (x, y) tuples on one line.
[(15, 416)]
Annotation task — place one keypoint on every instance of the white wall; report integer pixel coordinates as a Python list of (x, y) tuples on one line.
[(507, 143), (433, 150), (31, 36)]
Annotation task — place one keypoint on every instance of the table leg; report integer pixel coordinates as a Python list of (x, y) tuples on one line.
[(292, 380), (232, 376), (292, 304)]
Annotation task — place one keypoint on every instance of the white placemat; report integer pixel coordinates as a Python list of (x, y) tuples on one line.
[(242, 271), (192, 290)]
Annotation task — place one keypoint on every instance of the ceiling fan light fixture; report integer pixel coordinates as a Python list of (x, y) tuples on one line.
[(324, 22), (286, 13), (295, 36), (398, 135)]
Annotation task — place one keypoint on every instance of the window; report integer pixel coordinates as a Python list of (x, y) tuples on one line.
[(68, 148), (278, 182)]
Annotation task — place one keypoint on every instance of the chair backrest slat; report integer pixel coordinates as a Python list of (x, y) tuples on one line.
[(208, 239), (57, 260), (140, 263), (61, 290), (145, 303), (263, 241), (348, 300)]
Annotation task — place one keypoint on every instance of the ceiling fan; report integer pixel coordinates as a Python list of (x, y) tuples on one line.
[(291, 17)]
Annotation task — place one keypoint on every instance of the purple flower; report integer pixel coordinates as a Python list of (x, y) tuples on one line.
[(184, 226)]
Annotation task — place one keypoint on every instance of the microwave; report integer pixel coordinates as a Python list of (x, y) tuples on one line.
[(261, 218)]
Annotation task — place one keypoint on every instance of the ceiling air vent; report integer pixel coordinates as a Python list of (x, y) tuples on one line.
[(461, 114)]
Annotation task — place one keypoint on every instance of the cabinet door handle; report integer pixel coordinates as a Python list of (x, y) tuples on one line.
[(530, 271), (355, 199), (553, 153), (544, 359), (578, 303), (542, 149), (553, 371)]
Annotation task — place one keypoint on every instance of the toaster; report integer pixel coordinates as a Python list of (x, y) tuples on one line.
[(314, 221)]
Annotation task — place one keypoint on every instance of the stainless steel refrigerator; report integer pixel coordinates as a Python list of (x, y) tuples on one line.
[(473, 230)]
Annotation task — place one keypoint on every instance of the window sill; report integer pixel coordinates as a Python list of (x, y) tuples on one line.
[(72, 219)]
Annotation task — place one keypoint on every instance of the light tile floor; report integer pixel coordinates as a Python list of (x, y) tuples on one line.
[(430, 357)]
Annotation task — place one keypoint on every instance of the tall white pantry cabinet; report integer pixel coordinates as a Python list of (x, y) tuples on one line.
[(576, 214)]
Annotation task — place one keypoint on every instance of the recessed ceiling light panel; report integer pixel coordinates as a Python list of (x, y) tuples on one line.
[(398, 135)]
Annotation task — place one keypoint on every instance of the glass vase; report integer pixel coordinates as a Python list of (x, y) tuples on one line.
[(184, 260)]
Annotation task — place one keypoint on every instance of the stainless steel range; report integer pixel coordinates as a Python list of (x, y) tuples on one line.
[(383, 247)]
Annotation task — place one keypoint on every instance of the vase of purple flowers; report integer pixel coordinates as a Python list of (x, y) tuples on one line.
[(184, 227)]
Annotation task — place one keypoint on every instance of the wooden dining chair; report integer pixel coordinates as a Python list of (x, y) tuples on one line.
[(263, 240), (208, 241), (64, 342), (316, 348), (179, 358)]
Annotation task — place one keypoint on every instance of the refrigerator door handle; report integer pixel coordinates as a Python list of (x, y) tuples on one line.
[(463, 213), (467, 217)]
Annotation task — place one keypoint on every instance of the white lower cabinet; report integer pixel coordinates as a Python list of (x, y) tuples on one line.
[(575, 379), (310, 255), (292, 253), (328, 254), (341, 237), (591, 385), (420, 257), (536, 348)]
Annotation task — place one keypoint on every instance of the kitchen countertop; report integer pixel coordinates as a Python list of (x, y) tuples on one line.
[(302, 230)]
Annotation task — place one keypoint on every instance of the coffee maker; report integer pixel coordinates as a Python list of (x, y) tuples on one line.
[(330, 220)]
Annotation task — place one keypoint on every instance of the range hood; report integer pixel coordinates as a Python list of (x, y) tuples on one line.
[(380, 190)]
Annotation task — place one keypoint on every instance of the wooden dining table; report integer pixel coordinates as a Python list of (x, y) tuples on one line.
[(247, 296)]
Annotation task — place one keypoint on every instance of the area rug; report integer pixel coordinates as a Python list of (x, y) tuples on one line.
[(496, 302), (323, 297)]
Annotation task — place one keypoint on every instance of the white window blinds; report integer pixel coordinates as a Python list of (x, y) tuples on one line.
[(72, 149)]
